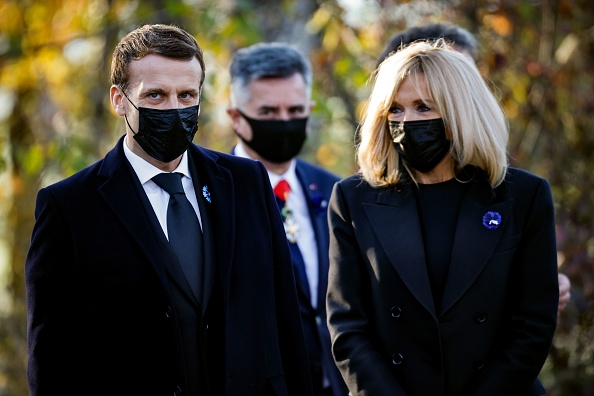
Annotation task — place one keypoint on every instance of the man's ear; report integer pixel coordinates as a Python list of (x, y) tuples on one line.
[(117, 99), (234, 115)]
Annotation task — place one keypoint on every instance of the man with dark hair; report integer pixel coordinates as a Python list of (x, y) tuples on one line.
[(465, 42), (270, 104), (458, 37), (154, 271)]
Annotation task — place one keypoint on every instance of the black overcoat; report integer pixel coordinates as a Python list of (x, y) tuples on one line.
[(493, 330), (101, 318)]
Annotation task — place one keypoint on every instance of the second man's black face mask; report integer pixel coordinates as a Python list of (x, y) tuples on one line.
[(276, 141), (422, 144), (165, 134)]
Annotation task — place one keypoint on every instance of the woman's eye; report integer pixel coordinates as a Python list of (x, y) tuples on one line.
[(394, 110)]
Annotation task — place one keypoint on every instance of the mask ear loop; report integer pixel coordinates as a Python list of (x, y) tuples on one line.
[(133, 105)]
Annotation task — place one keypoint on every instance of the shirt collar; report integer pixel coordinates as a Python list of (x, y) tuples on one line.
[(290, 175), (146, 171)]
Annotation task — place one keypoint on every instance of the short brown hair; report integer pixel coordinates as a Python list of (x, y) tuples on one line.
[(164, 40)]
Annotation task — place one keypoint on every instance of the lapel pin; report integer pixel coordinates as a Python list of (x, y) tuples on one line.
[(492, 220), (206, 193)]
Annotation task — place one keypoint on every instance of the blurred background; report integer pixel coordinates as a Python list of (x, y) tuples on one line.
[(55, 116)]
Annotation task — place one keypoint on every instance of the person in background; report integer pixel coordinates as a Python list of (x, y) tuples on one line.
[(443, 261), (465, 42), (271, 86), (457, 37), (162, 269)]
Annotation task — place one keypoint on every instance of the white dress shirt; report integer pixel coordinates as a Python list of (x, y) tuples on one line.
[(156, 195), (306, 238)]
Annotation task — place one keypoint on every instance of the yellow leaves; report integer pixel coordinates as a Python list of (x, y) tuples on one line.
[(11, 21), (326, 156), (333, 32), (518, 88), (319, 20), (331, 38), (512, 109), (499, 23), (45, 66), (38, 18), (17, 74), (33, 159), (50, 66)]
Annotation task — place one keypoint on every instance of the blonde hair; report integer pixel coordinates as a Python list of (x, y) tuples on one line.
[(474, 120)]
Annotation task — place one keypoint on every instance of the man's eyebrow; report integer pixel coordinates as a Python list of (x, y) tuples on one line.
[(152, 91), (268, 108), (192, 91)]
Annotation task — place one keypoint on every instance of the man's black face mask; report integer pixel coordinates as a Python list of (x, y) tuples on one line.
[(165, 134), (276, 140)]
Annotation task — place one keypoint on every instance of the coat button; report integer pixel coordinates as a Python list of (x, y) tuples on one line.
[(177, 391), (480, 317), (397, 359), (168, 312), (395, 311)]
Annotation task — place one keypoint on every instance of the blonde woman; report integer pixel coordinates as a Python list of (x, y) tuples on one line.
[(443, 271)]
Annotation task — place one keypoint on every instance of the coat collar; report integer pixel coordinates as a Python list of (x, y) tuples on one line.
[(394, 218), (317, 203), (121, 196)]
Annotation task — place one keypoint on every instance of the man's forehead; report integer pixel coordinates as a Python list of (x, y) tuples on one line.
[(159, 70)]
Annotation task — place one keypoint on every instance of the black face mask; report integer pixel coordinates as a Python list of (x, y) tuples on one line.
[(165, 134), (422, 144), (274, 140)]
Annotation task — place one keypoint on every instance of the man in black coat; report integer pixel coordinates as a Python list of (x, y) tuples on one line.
[(122, 303), (271, 102)]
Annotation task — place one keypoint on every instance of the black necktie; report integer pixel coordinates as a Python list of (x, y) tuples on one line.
[(183, 229)]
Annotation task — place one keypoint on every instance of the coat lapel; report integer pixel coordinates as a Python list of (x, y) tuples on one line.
[(394, 219), (122, 197), (207, 241), (474, 243), (218, 226), (317, 205)]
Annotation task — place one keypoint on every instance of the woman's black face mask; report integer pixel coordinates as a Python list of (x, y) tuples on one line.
[(276, 141), (422, 144), (165, 134)]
